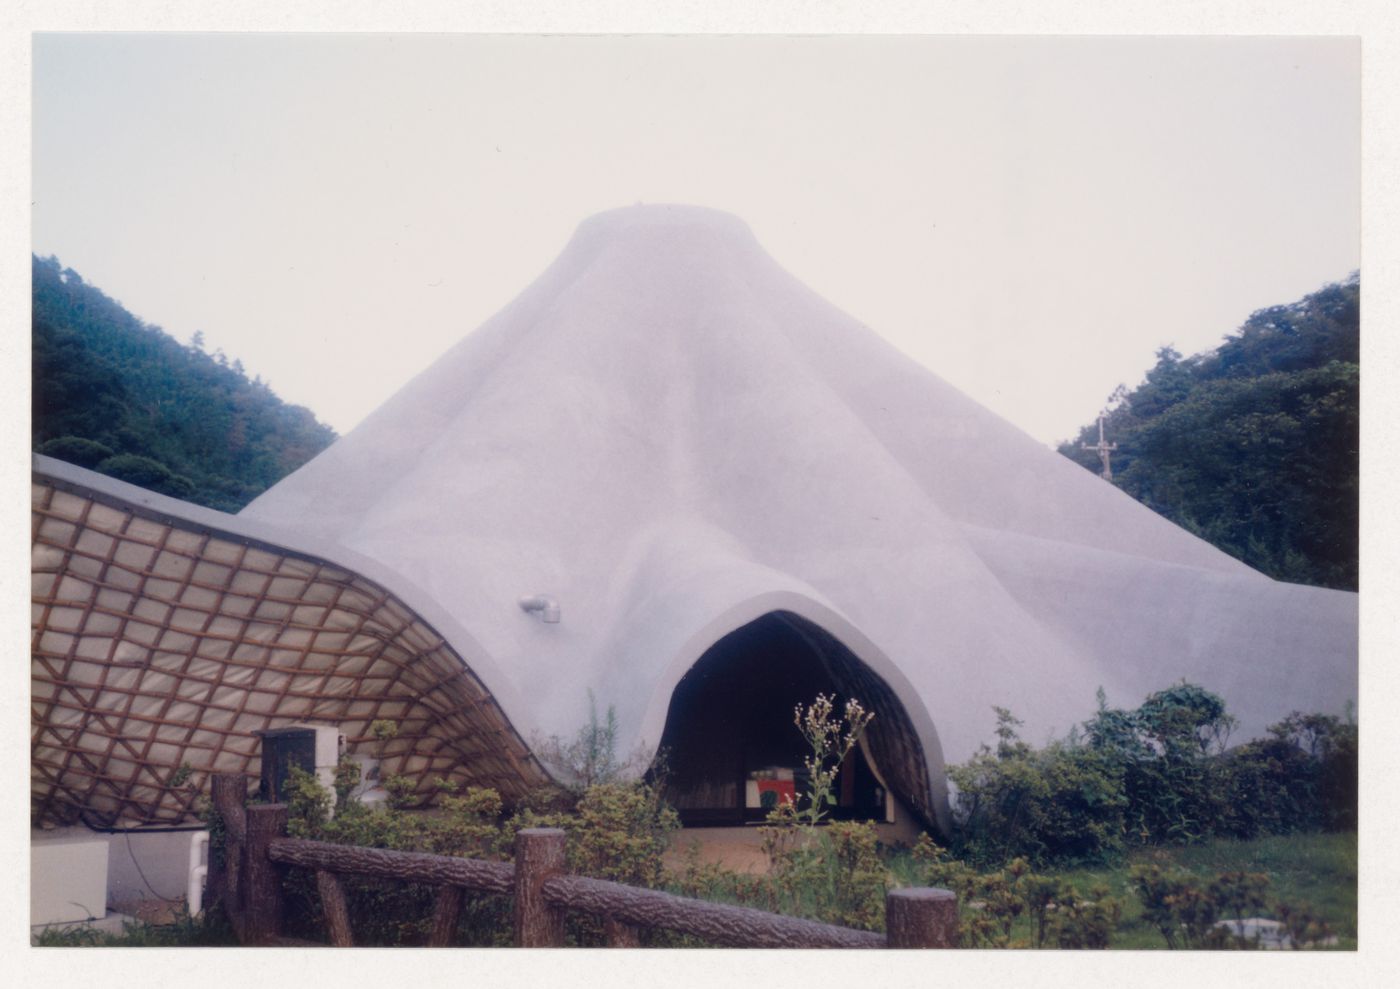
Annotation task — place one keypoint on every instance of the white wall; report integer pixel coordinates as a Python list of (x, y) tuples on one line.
[(147, 865), (67, 876)]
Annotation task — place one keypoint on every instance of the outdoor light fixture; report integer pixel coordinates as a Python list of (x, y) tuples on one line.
[(544, 605)]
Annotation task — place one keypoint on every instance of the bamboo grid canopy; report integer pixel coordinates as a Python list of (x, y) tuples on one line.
[(159, 648)]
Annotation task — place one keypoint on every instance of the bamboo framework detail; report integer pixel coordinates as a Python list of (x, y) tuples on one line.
[(158, 649)]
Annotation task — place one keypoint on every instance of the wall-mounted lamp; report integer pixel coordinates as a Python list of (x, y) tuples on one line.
[(543, 605)]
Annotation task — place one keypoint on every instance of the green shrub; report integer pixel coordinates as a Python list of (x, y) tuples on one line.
[(993, 905), (1171, 902), (1086, 922), (1303, 926), (77, 450), (617, 831), (834, 874), (614, 831), (308, 803), (1150, 775), (1190, 913), (1175, 790), (1269, 789), (1330, 745), (1063, 802), (1158, 774), (590, 757), (387, 912), (146, 473)]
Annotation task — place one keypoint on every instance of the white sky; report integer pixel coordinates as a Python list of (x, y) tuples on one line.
[(1030, 218)]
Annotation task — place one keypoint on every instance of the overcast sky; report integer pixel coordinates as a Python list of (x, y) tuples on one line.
[(1030, 218)]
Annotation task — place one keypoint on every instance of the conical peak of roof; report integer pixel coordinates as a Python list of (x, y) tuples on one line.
[(666, 333), (657, 219), (689, 239)]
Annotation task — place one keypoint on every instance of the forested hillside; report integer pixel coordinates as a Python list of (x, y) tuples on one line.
[(1254, 445), (116, 395)]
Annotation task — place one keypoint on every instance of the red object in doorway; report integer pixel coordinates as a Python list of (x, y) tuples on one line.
[(785, 789)]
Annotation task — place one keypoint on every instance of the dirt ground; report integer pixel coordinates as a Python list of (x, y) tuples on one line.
[(737, 849)]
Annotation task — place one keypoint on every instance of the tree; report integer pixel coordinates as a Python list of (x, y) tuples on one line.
[(1253, 446), (101, 376)]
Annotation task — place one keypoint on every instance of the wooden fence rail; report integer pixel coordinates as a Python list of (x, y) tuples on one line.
[(383, 863), (256, 852), (717, 923)]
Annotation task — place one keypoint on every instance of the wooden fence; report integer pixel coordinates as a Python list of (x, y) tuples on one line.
[(248, 883)]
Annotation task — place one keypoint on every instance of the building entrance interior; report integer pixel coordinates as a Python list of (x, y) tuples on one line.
[(731, 747)]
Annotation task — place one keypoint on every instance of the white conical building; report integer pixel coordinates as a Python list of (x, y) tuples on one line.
[(731, 496), (670, 436)]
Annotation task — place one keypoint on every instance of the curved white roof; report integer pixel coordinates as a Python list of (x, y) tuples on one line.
[(671, 436)]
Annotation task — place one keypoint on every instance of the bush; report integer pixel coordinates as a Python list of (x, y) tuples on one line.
[(1064, 802), (76, 450), (1330, 745), (1159, 774), (991, 904), (146, 473), (834, 874), (615, 831), (1175, 790), (1190, 913), (590, 757)]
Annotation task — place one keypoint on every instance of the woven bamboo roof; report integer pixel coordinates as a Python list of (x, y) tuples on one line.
[(161, 645)]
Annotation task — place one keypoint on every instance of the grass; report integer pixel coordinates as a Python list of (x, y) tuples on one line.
[(184, 932), (1314, 869)]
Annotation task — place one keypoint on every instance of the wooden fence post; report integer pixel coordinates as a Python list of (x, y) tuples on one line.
[(921, 918), (447, 910), (337, 911), (539, 855), (262, 879), (227, 793)]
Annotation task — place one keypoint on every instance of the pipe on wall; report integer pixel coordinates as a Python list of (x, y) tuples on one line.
[(199, 869)]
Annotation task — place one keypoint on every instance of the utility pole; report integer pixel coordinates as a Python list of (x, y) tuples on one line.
[(1103, 450)]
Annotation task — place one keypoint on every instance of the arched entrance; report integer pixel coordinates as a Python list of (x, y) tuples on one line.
[(730, 744)]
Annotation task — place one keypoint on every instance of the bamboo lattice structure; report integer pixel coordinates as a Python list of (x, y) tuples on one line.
[(159, 648)]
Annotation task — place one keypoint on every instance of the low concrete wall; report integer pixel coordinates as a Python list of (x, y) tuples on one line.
[(67, 876), (148, 866)]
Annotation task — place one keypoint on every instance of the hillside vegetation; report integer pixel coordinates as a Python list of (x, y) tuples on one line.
[(1254, 445), (124, 398)]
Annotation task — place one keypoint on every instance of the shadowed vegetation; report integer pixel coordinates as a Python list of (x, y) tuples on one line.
[(123, 398)]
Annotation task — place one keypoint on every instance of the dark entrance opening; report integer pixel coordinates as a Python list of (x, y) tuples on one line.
[(731, 746)]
